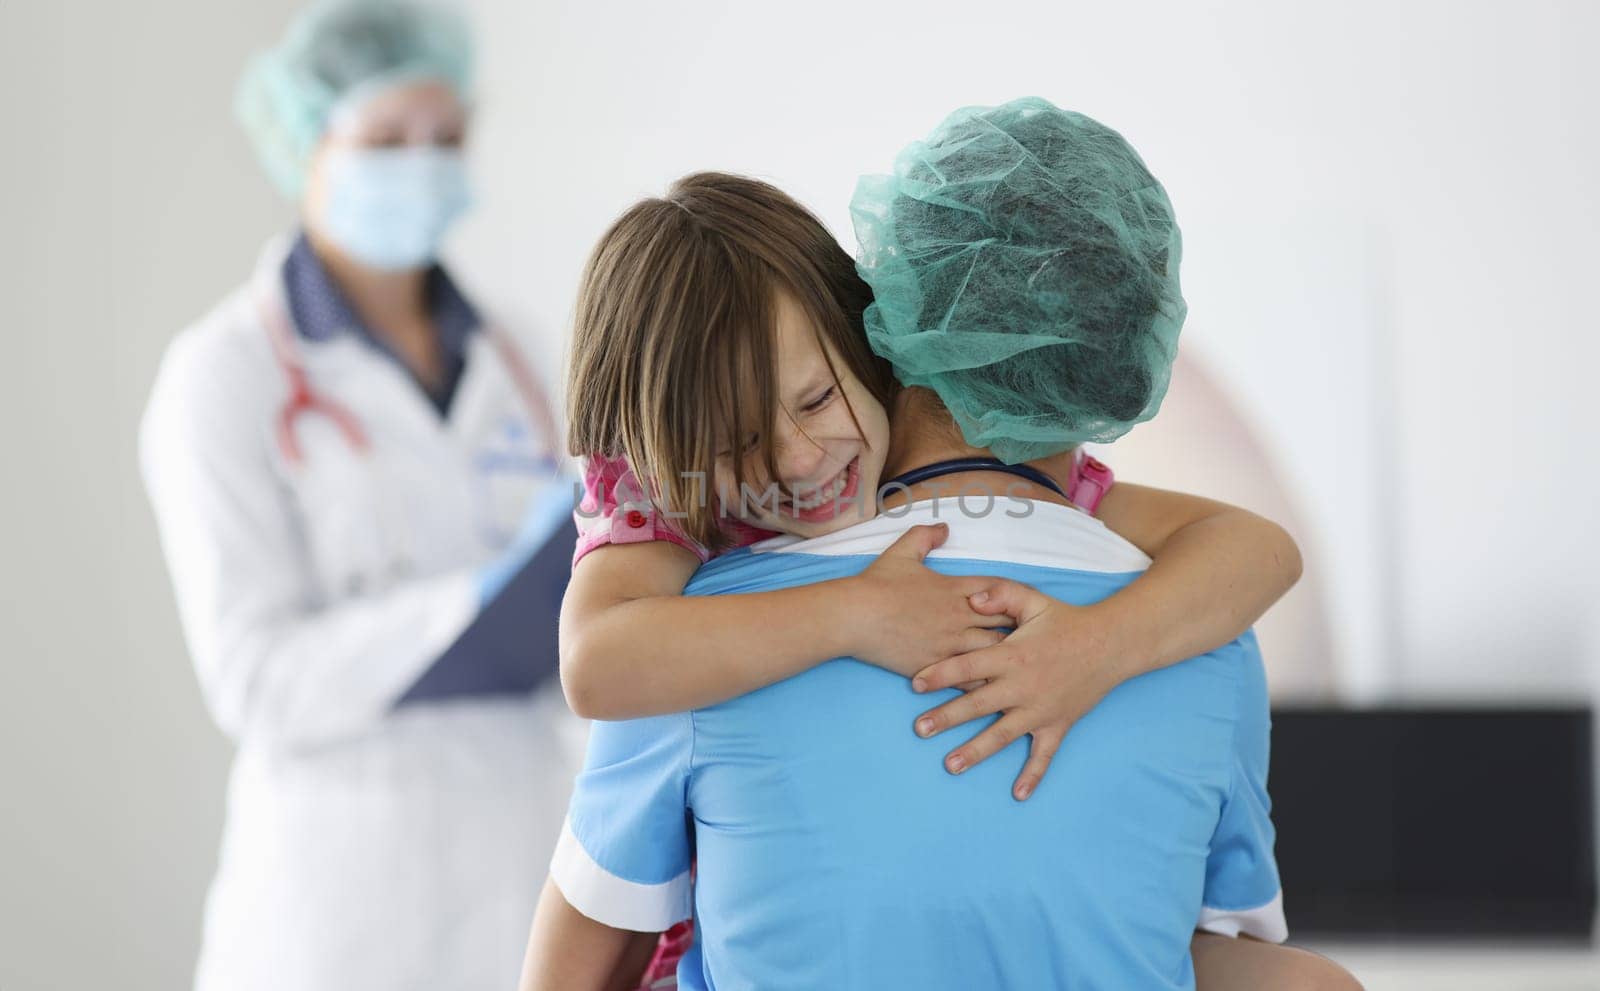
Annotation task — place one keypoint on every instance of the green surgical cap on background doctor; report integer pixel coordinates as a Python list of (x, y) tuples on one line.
[(1024, 265), (330, 51)]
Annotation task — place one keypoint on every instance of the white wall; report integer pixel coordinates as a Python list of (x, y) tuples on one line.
[(1413, 185), (129, 204), (1389, 216)]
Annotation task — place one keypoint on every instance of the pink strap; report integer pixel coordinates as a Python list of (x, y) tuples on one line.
[(662, 971), (615, 510), (1091, 480)]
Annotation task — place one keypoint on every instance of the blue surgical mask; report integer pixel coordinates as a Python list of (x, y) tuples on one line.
[(389, 208)]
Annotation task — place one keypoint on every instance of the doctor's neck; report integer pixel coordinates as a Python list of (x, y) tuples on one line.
[(389, 301), (922, 432)]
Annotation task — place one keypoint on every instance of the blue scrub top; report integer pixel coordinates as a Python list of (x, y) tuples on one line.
[(834, 851)]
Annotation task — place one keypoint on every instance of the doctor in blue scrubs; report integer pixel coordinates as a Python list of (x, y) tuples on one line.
[(356, 481)]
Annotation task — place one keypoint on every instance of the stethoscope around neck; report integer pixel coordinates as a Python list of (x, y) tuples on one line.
[(956, 466), (304, 399)]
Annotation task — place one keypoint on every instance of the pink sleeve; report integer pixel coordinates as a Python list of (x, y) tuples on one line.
[(616, 510), (1091, 480)]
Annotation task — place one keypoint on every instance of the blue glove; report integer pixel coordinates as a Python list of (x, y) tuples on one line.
[(547, 514)]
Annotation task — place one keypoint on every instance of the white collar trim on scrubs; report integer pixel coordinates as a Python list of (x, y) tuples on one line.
[(1049, 535)]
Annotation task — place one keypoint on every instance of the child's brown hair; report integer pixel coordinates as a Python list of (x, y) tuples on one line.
[(675, 320)]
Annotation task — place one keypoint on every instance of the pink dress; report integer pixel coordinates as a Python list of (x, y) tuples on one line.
[(615, 509)]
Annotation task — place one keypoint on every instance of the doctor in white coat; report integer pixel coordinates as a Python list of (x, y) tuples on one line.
[(355, 481)]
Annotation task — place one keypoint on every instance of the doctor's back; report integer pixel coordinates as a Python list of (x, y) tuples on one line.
[(357, 542), (833, 850)]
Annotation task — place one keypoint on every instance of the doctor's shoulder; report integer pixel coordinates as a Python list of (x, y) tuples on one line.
[(216, 375)]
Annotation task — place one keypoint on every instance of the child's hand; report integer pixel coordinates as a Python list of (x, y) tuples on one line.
[(909, 616), (1043, 678)]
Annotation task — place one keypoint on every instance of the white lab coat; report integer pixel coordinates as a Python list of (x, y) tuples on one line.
[(365, 847)]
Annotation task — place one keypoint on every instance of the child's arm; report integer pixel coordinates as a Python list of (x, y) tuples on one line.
[(1240, 963), (632, 645), (1215, 570), (568, 951)]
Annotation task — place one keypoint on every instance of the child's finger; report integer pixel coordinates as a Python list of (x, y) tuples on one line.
[(1008, 598), (961, 709), (952, 671), (977, 639), (986, 744), (918, 541), (970, 585), (1041, 752), (998, 621)]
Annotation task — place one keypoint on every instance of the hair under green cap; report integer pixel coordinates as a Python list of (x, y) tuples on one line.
[(1024, 264), (335, 48)]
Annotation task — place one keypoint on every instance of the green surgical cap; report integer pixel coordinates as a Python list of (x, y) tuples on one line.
[(331, 50), (1024, 264)]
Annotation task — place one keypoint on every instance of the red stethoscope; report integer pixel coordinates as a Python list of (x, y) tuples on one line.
[(303, 399)]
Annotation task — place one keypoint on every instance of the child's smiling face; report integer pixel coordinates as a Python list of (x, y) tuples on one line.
[(828, 467)]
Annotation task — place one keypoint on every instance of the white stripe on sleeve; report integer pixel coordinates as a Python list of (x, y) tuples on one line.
[(1266, 922), (611, 900)]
